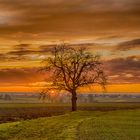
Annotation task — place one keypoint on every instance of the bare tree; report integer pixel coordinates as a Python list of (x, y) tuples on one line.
[(72, 68)]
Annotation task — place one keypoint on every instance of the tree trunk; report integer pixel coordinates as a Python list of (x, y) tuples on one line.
[(74, 99)]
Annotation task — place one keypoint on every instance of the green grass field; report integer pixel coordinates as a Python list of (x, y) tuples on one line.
[(81, 125)]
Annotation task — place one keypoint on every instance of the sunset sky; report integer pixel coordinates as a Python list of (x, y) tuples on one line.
[(29, 28)]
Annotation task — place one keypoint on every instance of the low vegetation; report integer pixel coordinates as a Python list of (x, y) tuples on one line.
[(81, 125)]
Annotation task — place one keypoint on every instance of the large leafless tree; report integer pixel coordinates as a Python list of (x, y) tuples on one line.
[(72, 68)]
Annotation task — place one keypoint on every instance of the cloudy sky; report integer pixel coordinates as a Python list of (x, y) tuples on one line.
[(28, 29)]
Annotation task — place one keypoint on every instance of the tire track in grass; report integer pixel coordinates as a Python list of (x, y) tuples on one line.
[(87, 119)]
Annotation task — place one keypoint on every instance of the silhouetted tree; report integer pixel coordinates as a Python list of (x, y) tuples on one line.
[(71, 68)]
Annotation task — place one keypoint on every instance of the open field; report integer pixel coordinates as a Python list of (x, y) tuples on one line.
[(81, 125), (17, 112)]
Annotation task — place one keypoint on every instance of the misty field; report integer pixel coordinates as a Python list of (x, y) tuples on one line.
[(80, 125)]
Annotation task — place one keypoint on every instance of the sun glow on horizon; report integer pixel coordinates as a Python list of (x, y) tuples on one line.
[(113, 88)]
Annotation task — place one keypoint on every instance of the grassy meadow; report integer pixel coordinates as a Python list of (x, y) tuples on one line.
[(80, 125)]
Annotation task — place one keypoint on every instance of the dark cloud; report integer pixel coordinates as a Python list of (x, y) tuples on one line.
[(48, 48), (4, 57), (22, 46), (66, 5), (109, 37), (25, 75), (25, 51), (123, 70), (128, 45), (21, 50), (63, 17), (18, 52)]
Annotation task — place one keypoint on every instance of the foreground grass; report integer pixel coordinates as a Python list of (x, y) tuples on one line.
[(81, 125), (119, 125)]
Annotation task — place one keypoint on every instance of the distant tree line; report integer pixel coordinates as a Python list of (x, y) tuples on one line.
[(5, 97)]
